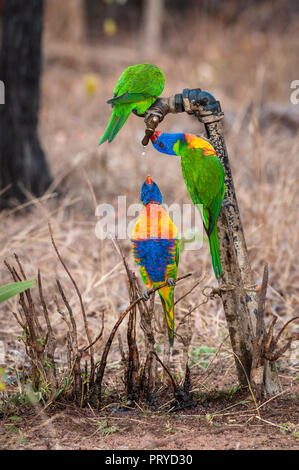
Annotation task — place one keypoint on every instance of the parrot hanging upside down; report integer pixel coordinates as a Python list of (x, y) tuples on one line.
[(204, 178), (155, 248), (137, 89)]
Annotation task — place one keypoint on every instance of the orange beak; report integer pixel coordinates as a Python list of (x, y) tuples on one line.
[(155, 136), (149, 180)]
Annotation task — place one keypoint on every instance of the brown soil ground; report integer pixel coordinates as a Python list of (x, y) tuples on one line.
[(220, 420)]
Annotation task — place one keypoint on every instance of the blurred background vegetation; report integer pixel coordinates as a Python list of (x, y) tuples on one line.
[(242, 51)]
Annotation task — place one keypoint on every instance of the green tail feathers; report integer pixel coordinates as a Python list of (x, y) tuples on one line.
[(113, 127), (166, 294), (214, 249)]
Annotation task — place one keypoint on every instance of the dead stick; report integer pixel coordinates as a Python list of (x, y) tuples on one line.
[(78, 293), (284, 327), (189, 291), (97, 338), (175, 387), (101, 370)]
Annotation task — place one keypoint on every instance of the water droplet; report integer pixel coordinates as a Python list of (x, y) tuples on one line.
[(143, 153)]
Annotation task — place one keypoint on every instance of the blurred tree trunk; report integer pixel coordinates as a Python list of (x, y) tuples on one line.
[(92, 13), (22, 160), (151, 35)]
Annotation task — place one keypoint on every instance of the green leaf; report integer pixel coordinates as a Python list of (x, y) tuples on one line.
[(15, 288), (15, 418), (10, 428), (2, 385)]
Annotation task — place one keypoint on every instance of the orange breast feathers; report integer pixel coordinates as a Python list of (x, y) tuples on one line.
[(154, 222), (200, 143)]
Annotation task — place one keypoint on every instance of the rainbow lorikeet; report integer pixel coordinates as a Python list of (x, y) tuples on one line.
[(204, 178), (155, 248), (137, 89)]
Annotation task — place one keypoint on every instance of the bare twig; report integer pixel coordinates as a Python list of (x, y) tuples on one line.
[(77, 354), (97, 338), (51, 343), (103, 362), (265, 345), (189, 291), (174, 384), (92, 365), (257, 367)]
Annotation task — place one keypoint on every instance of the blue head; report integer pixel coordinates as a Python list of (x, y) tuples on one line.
[(165, 142), (150, 193)]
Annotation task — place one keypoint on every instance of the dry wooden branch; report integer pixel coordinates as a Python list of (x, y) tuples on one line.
[(77, 354), (271, 351), (39, 345), (29, 297), (265, 346), (147, 380), (100, 373), (91, 353), (97, 337), (73, 330), (257, 367), (51, 341), (184, 394), (196, 284), (132, 360), (172, 380)]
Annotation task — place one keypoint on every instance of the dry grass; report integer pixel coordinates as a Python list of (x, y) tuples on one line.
[(240, 69)]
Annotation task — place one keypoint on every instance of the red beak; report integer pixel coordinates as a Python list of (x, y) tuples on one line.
[(149, 180), (155, 136)]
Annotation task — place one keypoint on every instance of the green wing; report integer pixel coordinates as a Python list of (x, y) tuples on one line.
[(204, 178), (128, 98), (177, 253), (172, 268), (144, 275)]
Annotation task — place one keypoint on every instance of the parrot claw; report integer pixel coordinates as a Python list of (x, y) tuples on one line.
[(170, 282), (145, 294)]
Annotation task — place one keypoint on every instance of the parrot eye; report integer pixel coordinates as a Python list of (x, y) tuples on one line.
[(161, 145)]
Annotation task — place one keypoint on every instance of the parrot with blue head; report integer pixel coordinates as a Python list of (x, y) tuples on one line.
[(155, 248), (204, 177)]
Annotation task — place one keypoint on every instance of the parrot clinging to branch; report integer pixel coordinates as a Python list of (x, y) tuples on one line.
[(155, 248), (204, 178), (137, 89)]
